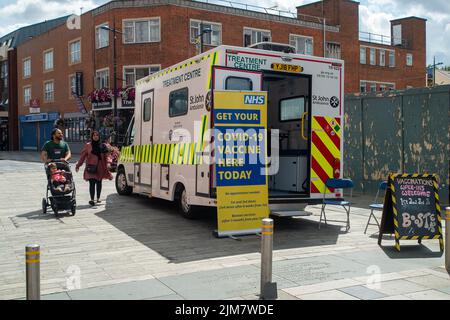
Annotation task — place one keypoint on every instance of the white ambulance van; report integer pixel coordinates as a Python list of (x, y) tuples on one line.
[(168, 142)]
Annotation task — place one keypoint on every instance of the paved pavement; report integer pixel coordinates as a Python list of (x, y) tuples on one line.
[(137, 248)]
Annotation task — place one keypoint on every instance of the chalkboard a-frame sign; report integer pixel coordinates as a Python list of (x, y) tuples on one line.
[(411, 209)]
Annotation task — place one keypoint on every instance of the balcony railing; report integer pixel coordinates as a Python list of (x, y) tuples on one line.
[(381, 39)]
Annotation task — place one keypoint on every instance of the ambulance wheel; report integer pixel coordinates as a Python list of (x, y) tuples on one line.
[(121, 184), (187, 211)]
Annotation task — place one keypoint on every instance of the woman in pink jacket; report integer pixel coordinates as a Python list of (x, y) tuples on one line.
[(97, 160)]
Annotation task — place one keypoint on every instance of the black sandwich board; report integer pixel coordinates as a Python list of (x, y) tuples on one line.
[(411, 209)]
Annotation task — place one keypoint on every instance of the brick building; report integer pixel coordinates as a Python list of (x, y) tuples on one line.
[(155, 34), (8, 78)]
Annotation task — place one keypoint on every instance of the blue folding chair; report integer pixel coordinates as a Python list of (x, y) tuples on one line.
[(337, 184), (375, 205)]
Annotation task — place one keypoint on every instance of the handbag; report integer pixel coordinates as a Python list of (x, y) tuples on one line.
[(91, 168)]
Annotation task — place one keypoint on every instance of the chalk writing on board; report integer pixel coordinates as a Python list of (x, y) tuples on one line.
[(416, 202), (422, 220)]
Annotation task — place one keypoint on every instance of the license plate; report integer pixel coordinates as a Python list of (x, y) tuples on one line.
[(286, 67)]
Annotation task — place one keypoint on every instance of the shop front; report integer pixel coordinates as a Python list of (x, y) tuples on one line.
[(35, 130), (102, 115)]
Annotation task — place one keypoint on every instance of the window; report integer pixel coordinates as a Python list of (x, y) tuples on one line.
[(303, 45), (129, 139), (238, 84), (333, 50), (147, 109), (75, 52), (252, 36), (292, 109), (27, 68), (48, 60), (397, 35), (141, 31), (362, 55), (4, 78), (26, 96), (178, 102), (132, 74), (49, 91), (102, 79), (213, 38), (362, 87), (391, 59), (101, 37), (372, 56), (383, 87), (373, 87), (72, 84), (409, 59), (382, 58)]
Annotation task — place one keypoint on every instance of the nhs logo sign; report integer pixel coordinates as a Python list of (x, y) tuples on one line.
[(253, 99)]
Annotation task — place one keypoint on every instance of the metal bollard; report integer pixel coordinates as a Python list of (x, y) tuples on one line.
[(268, 288), (32, 259), (447, 239)]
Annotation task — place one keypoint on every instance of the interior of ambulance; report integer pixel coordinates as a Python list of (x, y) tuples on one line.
[(288, 112)]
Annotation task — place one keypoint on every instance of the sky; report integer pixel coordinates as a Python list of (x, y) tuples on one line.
[(374, 16)]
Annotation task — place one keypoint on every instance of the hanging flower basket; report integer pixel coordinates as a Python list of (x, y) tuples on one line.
[(107, 95)]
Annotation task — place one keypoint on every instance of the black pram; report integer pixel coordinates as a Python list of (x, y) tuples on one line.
[(61, 199)]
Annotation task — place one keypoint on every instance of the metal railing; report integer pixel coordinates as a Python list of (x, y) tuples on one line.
[(381, 39), (271, 10)]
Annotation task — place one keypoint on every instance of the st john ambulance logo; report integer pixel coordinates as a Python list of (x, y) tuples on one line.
[(334, 102)]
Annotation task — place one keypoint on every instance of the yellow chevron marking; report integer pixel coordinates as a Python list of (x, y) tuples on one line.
[(175, 153), (415, 238), (154, 153), (166, 158), (172, 147), (318, 184), (415, 175), (426, 237), (323, 136), (396, 234), (396, 223)]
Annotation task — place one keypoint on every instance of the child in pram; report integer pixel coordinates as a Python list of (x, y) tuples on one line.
[(58, 178)]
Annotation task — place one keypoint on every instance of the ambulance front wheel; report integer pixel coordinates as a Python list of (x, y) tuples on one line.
[(187, 211), (121, 183)]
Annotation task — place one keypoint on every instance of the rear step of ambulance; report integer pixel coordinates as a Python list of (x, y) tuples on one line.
[(291, 207)]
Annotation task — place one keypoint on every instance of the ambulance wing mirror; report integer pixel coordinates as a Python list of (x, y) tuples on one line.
[(304, 116)]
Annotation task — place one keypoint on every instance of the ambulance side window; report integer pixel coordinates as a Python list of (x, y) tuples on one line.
[(178, 102), (238, 84), (292, 109), (129, 139), (147, 109)]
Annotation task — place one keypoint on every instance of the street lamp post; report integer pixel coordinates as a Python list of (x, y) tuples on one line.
[(200, 35), (114, 31), (434, 70)]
